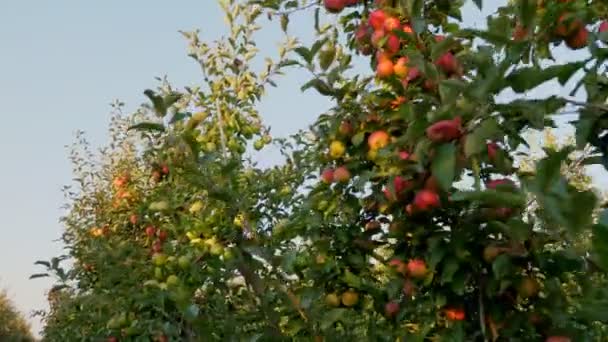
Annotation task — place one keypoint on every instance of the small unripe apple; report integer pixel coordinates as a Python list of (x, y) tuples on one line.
[(416, 268), (184, 262), (426, 200), (392, 23), (334, 6), (327, 176), (391, 309), (528, 287), (490, 253), (377, 18), (172, 280), (341, 174), (150, 231), (578, 40), (332, 300), (378, 140), (336, 149), (400, 68), (159, 259), (350, 298)]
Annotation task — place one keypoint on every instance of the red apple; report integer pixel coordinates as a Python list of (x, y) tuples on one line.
[(493, 149), (426, 200), (162, 235), (164, 169), (404, 155), (399, 265), (448, 63), (150, 231), (454, 314), (567, 25), (346, 128), (392, 23), (133, 219), (385, 69), (327, 176), (400, 67), (157, 247), (378, 140), (377, 18), (445, 130), (342, 174), (351, 2), (392, 45), (416, 268), (603, 27), (502, 182), (558, 339), (376, 37), (334, 6), (578, 40), (391, 309), (400, 184)]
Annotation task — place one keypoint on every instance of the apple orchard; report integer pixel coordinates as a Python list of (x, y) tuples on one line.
[(402, 214)]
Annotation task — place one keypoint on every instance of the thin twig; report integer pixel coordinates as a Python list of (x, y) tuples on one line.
[(218, 114)]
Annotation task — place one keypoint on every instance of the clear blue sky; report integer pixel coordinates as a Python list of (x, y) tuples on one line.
[(62, 62)]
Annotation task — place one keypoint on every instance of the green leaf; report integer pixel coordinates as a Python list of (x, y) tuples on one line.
[(351, 279), (501, 266), (478, 3), (39, 275), (148, 126), (491, 197), (43, 263), (444, 165), (449, 269), (600, 241), (179, 117), (158, 104), (524, 79), (358, 138), (304, 53), (320, 86), (476, 140), (284, 22), (332, 316)]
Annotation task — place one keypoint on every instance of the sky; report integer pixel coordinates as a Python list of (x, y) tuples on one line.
[(62, 63)]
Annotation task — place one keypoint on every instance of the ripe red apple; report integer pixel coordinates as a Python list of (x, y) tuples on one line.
[(413, 74), (133, 219), (334, 6), (378, 140), (342, 174), (454, 314), (407, 28), (162, 338), (327, 176), (603, 27), (377, 18), (404, 155), (391, 309), (400, 184), (346, 128), (376, 37), (162, 235), (400, 67), (399, 265), (351, 2), (416, 268), (431, 184), (112, 339), (157, 247), (444, 130), (578, 40), (392, 23), (150, 231), (426, 200), (448, 63), (384, 69), (567, 25), (392, 45)]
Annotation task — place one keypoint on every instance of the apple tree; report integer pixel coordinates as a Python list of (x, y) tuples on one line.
[(405, 212)]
